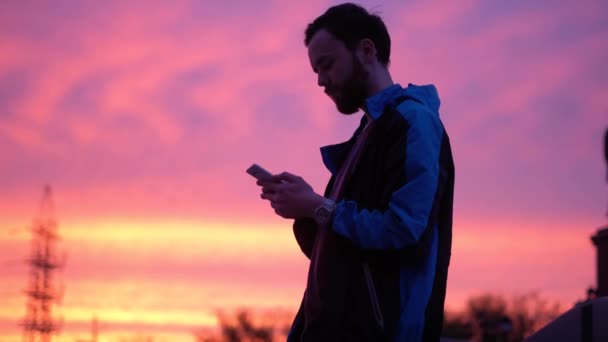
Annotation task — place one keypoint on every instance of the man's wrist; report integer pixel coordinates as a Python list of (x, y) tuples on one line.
[(324, 210), (315, 203)]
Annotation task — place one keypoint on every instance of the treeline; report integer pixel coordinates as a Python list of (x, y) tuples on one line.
[(486, 317)]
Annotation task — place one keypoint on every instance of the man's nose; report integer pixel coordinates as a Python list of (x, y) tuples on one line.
[(322, 80)]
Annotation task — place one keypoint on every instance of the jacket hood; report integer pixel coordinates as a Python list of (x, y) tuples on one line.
[(425, 94)]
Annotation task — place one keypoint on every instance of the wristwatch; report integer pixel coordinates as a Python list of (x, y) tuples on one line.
[(324, 212)]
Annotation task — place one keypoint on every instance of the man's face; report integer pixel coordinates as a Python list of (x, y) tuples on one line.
[(339, 71)]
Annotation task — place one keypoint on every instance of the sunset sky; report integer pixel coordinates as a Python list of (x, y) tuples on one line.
[(144, 115)]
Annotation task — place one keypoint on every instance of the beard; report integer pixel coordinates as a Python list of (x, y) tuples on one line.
[(351, 95)]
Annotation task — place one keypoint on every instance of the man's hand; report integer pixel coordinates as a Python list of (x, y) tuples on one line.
[(290, 196)]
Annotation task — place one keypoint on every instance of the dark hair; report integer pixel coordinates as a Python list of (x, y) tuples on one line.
[(350, 23)]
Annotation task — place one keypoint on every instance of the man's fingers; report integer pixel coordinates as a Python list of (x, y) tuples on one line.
[(276, 188), (271, 196), (270, 186), (281, 212), (280, 179), (267, 191), (274, 198), (288, 177)]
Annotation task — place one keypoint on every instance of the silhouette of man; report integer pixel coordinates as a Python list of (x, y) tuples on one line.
[(379, 239)]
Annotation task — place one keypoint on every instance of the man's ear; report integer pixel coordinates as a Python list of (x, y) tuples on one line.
[(366, 51)]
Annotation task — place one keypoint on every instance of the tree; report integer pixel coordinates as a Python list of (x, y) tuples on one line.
[(457, 325), (530, 312), (245, 326), (495, 318)]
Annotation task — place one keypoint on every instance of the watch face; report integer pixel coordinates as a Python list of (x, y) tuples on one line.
[(323, 212), (322, 215)]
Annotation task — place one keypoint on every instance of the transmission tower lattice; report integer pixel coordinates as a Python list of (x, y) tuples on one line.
[(42, 291)]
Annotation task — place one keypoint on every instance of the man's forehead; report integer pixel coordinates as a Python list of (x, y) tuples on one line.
[(322, 43)]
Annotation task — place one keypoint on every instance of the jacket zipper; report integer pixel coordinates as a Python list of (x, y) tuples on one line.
[(373, 296)]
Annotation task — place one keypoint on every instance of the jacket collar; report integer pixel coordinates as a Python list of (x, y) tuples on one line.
[(375, 105)]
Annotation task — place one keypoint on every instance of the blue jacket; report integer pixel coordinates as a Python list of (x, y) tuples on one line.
[(380, 272)]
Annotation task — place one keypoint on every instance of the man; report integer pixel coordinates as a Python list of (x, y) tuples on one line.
[(379, 239)]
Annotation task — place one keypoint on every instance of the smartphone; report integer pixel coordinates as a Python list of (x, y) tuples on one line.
[(258, 172)]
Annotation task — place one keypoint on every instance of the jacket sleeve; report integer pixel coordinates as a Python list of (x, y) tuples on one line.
[(409, 208)]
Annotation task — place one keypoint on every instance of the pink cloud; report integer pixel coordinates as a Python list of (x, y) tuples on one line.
[(436, 15)]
